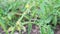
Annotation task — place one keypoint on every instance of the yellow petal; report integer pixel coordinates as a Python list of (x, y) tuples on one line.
[(27, 6), (10, 28)]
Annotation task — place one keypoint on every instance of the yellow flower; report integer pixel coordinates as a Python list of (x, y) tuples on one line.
[(10, 28), (27, 6), (18, 23), (18, 28)]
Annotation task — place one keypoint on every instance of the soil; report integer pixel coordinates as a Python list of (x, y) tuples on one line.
[(35, 30), (57, 30)]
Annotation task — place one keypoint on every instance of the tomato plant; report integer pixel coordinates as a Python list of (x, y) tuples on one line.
[(14, 14)]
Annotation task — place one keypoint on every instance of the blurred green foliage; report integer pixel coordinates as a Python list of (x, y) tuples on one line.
[(16, 13)]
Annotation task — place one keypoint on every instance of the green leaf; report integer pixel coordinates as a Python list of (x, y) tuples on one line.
[(54, 20), (29, 28)]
